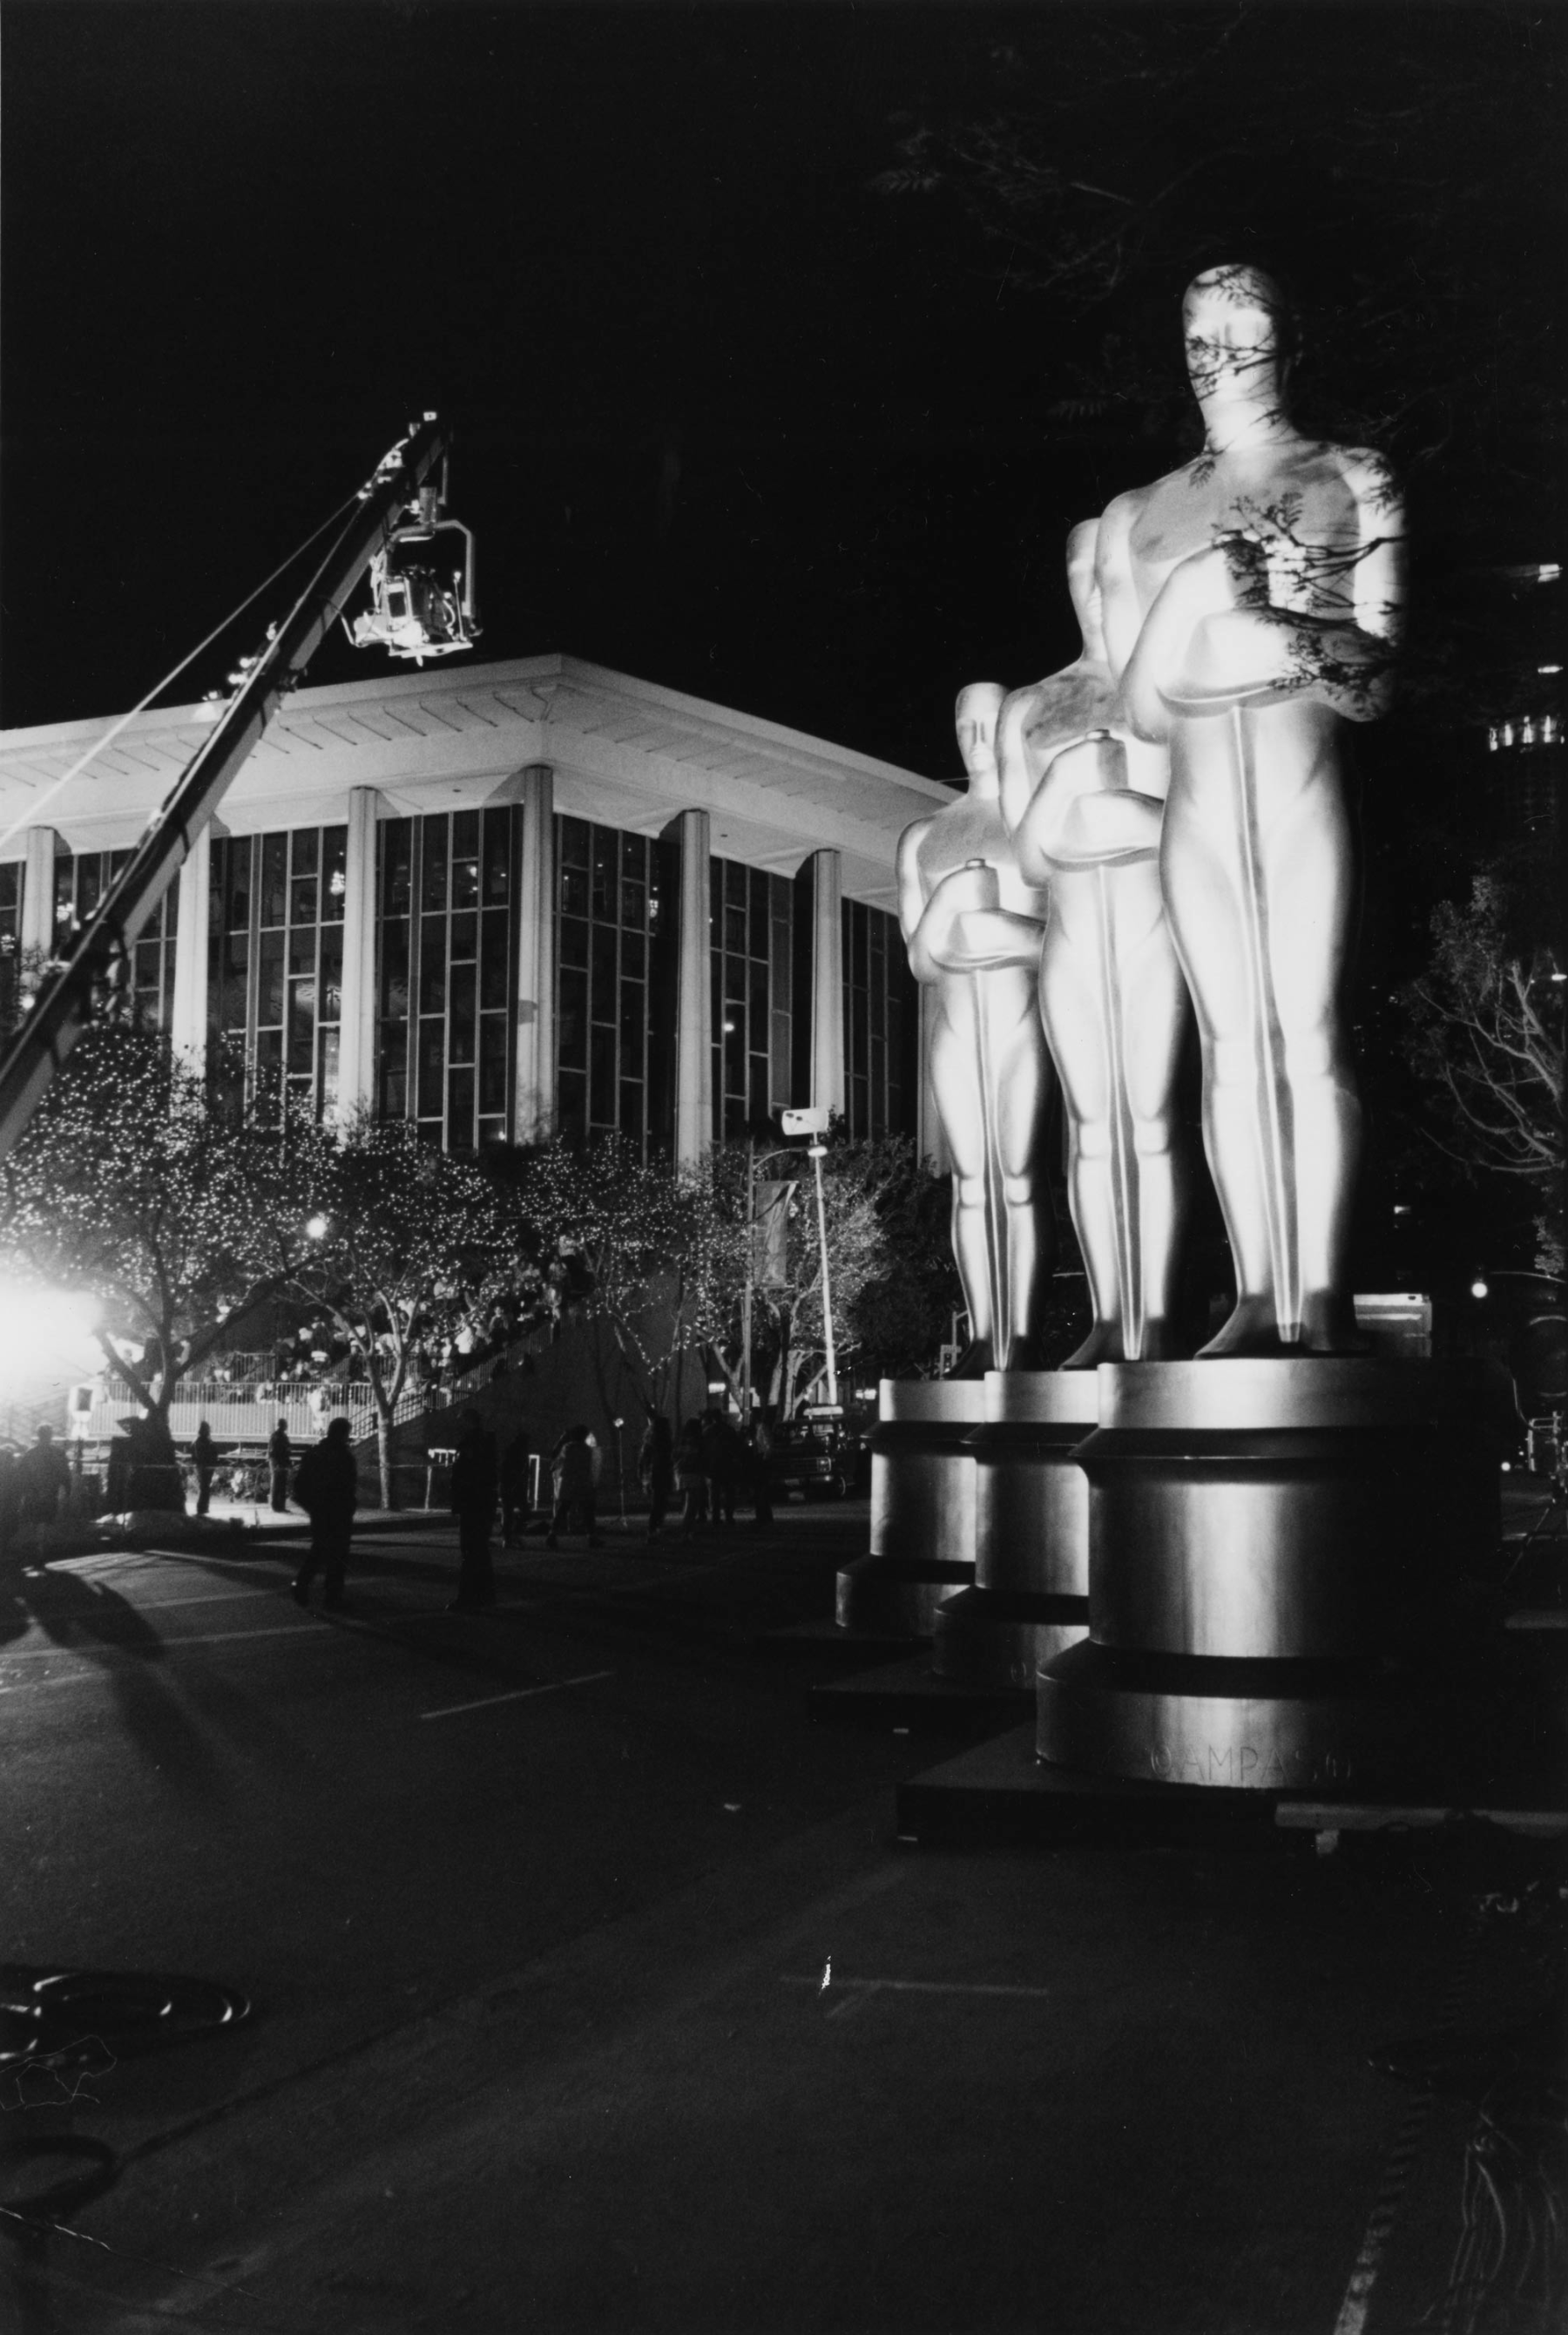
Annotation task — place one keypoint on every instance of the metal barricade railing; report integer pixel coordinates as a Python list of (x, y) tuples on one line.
[(243, 1415)]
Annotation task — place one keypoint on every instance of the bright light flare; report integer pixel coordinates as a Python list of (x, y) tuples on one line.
[(45, 1336)]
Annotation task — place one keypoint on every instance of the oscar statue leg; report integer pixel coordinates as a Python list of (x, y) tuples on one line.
[(1154, 1018), (955, 1082), (1202, 885), (1311, 889), (1071, 1008), (1025, 1082)]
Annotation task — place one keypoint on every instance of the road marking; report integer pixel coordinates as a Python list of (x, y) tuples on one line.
[(864, 1986), (93, 1647), (1365, 2272), (36, 1686), (214, 1597), (167, 1605), (519, 1694)]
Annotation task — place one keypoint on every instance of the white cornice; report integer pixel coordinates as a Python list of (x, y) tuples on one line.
[(625, 751)]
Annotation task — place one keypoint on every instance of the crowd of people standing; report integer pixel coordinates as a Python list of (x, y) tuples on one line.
[(713, 1464), (693, 1480)]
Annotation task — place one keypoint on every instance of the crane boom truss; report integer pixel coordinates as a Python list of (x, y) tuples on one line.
[(64, 1005)]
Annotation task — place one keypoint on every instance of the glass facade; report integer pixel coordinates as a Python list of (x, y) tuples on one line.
[(751, 951), (446, 973), (447, 944), (275, 962), (881, 1026), (608, 894), (10, 938), (81, 880)]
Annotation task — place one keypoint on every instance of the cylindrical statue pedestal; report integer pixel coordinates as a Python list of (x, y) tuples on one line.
[(1274, 1552), (1029, 1600), (923, 1480)]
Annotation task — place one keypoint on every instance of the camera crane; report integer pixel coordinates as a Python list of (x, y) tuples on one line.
[(415, 611)]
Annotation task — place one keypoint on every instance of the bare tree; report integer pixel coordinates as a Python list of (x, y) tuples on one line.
[(1487, 1037), (892, 1281)]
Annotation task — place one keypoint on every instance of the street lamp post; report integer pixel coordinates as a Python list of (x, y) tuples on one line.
[(816, 1154), (746, 1294), (748, 1288), (813, 1122)]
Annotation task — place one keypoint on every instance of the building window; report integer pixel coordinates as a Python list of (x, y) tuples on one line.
[(881, 1024), (446, 973), (606, 913), (751, 943), (80, 881), (274, 963)]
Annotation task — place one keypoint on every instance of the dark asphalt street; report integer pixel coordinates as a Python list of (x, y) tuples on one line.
[(594, 1991)]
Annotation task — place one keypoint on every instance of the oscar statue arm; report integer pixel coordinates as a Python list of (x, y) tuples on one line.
[(1101, 829), (991, 938), (965, 929), (1084, 813), (1012, 757), (1267, 614), (1120, 613), (937, 945), (911, 898), (1348, 628)]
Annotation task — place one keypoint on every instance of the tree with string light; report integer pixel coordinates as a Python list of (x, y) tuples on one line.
[(410, 1247), (176, 1213), (638, 1249)]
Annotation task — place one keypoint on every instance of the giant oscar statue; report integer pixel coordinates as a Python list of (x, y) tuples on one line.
[(1275, 1529), (1251, 600), (1086, 807), (974, 929), (1112, 1005)]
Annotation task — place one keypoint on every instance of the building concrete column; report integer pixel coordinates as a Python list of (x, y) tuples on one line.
[(37, 940), (356, 1028), (929, 1136), (693, 994), (534, 1101), (826, 1048), (188, 1019)]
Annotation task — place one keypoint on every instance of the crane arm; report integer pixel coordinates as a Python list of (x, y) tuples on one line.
[(64, 1005)]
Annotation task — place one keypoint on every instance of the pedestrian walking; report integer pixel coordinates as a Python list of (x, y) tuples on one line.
[(279, 1460), (517, 1489), (42, 1482), (760, 1470), (656, 1470), (9, 1497), (476, 1482), (572, 1462), (722, 1459), (204, 1457), (327, 1489), (691, 1477)]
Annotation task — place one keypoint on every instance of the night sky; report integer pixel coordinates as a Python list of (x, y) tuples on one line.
[(728, 418)]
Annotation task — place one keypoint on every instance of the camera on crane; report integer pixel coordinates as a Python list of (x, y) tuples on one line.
[(418, 607)]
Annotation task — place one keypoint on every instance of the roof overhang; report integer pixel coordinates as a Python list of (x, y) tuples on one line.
[(625, 753)]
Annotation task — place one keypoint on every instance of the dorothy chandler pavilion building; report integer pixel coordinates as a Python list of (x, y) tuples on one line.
[(508, 900)]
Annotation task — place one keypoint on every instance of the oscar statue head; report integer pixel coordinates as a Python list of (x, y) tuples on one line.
[(975, 718), (1084, 589), (1239, 336)]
